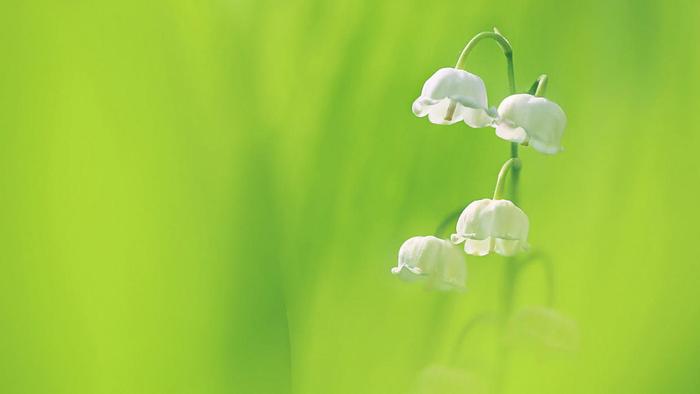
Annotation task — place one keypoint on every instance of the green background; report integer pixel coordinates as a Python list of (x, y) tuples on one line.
[(207, 196)]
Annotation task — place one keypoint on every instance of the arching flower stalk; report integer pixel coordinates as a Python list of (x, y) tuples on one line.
[(452, 95), (498, 225)]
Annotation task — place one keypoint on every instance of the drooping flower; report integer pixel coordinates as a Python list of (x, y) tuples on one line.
[(436, 261), (452, 95), (441, 379), (492, 226), (543, 329), (524, 118)]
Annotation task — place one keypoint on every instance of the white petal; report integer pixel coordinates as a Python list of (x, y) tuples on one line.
[(549, 148), (441, 113), (434, 260), (459, 85), (411, 255), (510, 222), (477, 247), (508, 247), (510, 133), (452, 95), (437, 379), (406, 273), (543, 121), (477, 118), (422, 106), (476, 220), (451, 273), (544, 329), (492, 225)]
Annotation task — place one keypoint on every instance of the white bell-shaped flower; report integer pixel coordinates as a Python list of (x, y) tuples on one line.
[(492, 226), (451, 95), (524, 118), (440, 263)]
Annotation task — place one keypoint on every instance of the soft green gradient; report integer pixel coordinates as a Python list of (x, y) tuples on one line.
[(207, 196)]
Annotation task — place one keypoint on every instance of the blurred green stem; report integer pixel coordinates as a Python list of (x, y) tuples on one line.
[(444, 225), (471, 324), (548, 271)]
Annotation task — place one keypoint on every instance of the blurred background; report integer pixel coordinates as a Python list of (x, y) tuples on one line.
[(208, 196)]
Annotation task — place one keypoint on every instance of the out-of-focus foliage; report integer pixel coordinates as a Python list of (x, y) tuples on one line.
[(207, 196)]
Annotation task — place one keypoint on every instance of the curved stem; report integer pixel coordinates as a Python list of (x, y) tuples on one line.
[(446, 221), (501, 41), (510, 274), (541, 85), (511, 271), (548, 271), (515, 174), (500, 183), (469, 327)]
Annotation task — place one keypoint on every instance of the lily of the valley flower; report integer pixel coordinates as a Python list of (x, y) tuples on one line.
[(492, 226), (452, 95), (441, 379), (527, 119), (434, 260)]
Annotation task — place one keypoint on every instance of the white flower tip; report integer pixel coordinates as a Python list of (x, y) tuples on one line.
[(542, 147), (450, 96), (436, 261), (510, 133), (402, 268), (535, 120), (488, 226)]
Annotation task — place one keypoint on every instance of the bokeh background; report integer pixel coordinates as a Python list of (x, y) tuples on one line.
[(207, 196)]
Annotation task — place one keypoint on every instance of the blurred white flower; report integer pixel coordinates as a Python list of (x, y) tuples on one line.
[(492, 226), (541, 328), (451, 95), (526, 119), (440, 379), (434, 260)]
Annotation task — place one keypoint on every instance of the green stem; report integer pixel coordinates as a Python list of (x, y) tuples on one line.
[(462, 60), (449, 219), (513, 165), (501, 41), (541, 85), (515, 174), (511, 268), (500, 183), (548, 269), (469, 327)]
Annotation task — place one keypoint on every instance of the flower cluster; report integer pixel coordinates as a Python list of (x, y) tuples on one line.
[(498, 225), (452, 95)]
